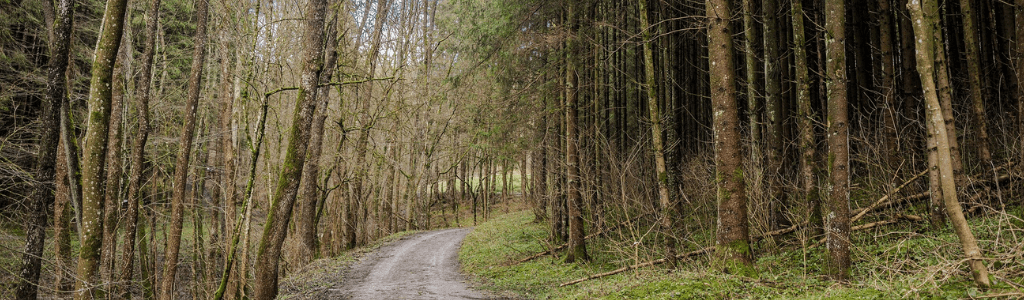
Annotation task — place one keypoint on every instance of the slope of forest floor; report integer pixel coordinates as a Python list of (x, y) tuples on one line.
[(899, 261)]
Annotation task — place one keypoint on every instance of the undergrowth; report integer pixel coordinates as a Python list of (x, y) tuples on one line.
[(899, 261)]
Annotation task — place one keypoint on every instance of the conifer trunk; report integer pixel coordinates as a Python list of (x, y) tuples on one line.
[(837, 208), (925, 14), (733, 241)]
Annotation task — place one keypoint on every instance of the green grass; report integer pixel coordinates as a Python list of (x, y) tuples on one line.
[(894, 263)]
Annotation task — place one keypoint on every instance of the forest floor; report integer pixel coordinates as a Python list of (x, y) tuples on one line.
[(899, 261)]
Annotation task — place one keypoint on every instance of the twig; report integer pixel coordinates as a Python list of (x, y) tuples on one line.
[(636, 266)]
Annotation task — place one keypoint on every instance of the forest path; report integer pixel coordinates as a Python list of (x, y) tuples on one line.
[(423, 266)]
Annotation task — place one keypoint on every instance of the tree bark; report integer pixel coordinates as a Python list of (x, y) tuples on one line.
[(732, 237), (837, 208), (925, 14), (43, 193), (280, 211), (663, 176), (94, 148), (752, 33), (181, 167), (886, 88), (305, 221), (808, 163), (112, 203), (974, 79), (139, 146), (577, 245), (773, 112)]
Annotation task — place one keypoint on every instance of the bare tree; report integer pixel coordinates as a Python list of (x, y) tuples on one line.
[(280, 211), (94, 148), (181, 168), (56, 89)]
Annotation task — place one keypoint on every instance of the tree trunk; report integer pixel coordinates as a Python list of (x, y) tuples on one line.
[(662, 172), (837, 208), (732, 237), (305, 221), (751, 32), (773, 112), (43, 193), (974, 78), (1019, 67), (889, 112), (112, 203), (276, 226), (139, 149), (808, 163), (181, 168), (94, 148), (925, 14)]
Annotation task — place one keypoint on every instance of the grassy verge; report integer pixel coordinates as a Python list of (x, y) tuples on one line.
[(888, 265)]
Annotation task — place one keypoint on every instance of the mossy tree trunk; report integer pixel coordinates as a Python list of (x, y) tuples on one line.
[(808, 163), (94, 148), (661, 170), (752, 47), (280, 210)]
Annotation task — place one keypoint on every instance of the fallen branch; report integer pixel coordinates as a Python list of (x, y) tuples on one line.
[(880, 200), (636, 266), (876, 224)]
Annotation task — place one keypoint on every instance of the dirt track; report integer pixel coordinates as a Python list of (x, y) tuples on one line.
[(422, 266)]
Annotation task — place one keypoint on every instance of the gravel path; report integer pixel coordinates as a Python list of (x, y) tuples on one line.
[(422, 266)]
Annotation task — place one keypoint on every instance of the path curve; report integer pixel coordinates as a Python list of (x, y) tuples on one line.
[(422, 266)]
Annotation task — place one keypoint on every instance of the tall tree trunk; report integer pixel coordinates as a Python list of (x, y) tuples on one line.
[(664, 195), (887, 90), (1019, 67), (808, 163), (280, 211), (305, 221), (925, 14), (945, 93), (139, 149), (753, 39), (773, 111), (577, 249), (43, 194), (974, 78), (112, 203), (94, 148), (837, 208), (733, 239), (181, 167)]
